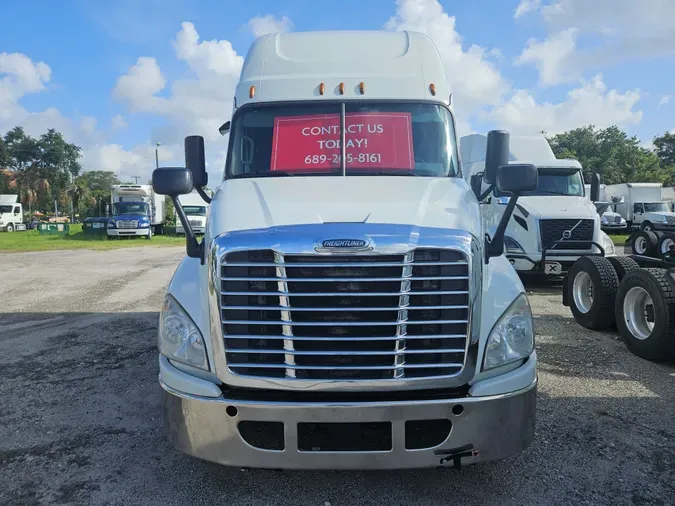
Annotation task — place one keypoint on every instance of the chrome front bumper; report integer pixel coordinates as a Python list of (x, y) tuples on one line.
[(207, 428), (124, 232)]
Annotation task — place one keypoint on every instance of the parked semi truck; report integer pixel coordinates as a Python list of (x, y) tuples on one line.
[(136, 211), (345, 308), (195, 209), (554, 224), (610, 220), (642, 206), (11, 213)]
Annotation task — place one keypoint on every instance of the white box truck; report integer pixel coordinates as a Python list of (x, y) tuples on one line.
[(136, 211), (195, 209), (610, 220), (345, 308), (642, 206), (554, 224), (11, 214)]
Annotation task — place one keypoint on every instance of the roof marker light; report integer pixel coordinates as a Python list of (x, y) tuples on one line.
[(342, 88), (432, 89), (251, 91), (362, 87), (322, 89)]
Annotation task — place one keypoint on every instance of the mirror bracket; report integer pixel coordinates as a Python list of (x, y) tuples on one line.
[(494, 246), (195, 249)]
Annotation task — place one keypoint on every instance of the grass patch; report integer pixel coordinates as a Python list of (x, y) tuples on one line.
[(619, 239), (31, 240)]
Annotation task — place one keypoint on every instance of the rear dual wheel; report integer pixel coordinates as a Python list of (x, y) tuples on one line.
[(665, 247)]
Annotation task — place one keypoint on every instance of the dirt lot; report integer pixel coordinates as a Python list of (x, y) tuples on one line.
[(80, 420)]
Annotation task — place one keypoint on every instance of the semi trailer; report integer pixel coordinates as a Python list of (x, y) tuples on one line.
[(347, 307)]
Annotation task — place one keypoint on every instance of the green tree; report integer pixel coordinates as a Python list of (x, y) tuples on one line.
[(610, 152), (664, 147), (99, 183)]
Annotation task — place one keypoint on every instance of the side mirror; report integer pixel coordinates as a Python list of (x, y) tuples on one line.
[(514, 179), (517, 178), (195, 160), (176, 181), (225, 128), (172, 181), (496, 154), (595, 187)]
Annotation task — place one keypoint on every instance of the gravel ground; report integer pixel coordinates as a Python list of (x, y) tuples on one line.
[(80, 420)]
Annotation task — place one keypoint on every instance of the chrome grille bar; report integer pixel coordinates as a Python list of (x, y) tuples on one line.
[(349, 318)]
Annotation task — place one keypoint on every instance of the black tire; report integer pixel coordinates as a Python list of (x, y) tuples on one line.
[(623, 265), (660, 343), (647, 226), (599, 313), (666, 240), (644, 243), (9, 228)]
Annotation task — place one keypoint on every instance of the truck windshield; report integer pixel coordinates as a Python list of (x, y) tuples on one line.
[(130, 208), (556, 182), (194, 210), (381, 138), (656, 207), (6, 209)]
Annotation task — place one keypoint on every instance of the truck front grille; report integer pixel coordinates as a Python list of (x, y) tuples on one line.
[(558, 230), (350, 317), (127, 224)]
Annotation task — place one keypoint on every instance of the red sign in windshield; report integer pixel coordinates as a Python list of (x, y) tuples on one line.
[(373, 141)]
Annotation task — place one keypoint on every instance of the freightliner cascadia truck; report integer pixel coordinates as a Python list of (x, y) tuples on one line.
[(346, 307)]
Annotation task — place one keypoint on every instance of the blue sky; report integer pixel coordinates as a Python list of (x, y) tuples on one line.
[(557, 65)]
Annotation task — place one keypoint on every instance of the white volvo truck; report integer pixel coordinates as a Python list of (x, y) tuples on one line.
[(11, 213), (345, 308), (610, 220), (554, 224)]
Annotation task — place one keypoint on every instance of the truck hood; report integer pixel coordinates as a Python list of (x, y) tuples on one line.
[(551, 206), (249, 204)]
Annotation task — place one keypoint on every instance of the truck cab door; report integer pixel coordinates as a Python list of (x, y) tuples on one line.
[(17, 214), (638, 213)]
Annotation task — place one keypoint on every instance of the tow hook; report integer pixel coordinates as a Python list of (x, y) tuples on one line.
[(456, 455)]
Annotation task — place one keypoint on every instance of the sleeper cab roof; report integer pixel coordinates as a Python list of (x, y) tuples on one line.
[(392, 65)]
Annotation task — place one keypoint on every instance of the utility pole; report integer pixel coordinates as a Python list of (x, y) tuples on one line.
[(135, 178), (72, 206), (157, 155)]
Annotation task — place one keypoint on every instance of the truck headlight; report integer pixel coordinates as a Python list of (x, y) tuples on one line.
[(144, 224), (664, 219), (512, 245), (608, 245), (111, 224), (604, 219), (179, 337), (512, 337)]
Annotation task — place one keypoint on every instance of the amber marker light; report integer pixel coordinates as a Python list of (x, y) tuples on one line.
[(362, 87), (251, 92), (432, 89), (322, 89), (342, 88)]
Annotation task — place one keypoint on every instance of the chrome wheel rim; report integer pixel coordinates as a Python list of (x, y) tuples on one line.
[(640, 245), (582, 291), (666, 245), (638, 313)]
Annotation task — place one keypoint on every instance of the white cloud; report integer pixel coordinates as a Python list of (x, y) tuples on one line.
[(664, 100), (118, 122), (614, 32), (592, 103), (474, 80), (552, 57), (262, 25), (525, 7)]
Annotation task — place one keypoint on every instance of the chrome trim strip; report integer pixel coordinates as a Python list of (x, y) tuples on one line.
[(389, 240), (346, 353), (330, 309), (350, 294), (343, 264)]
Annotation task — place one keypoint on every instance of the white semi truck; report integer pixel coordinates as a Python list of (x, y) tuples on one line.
[(11, 214), (136, 211), (195, 209), (642, 206), (554, 224), (345, 308), (610, 220)]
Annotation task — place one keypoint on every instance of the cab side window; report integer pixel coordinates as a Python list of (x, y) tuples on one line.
[(637, 208)]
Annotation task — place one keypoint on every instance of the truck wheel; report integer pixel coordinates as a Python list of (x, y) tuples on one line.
[(645, 314), (647, 226), (623, 265), (665, 244), (9, 228), (592, 286), (644, 243)]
